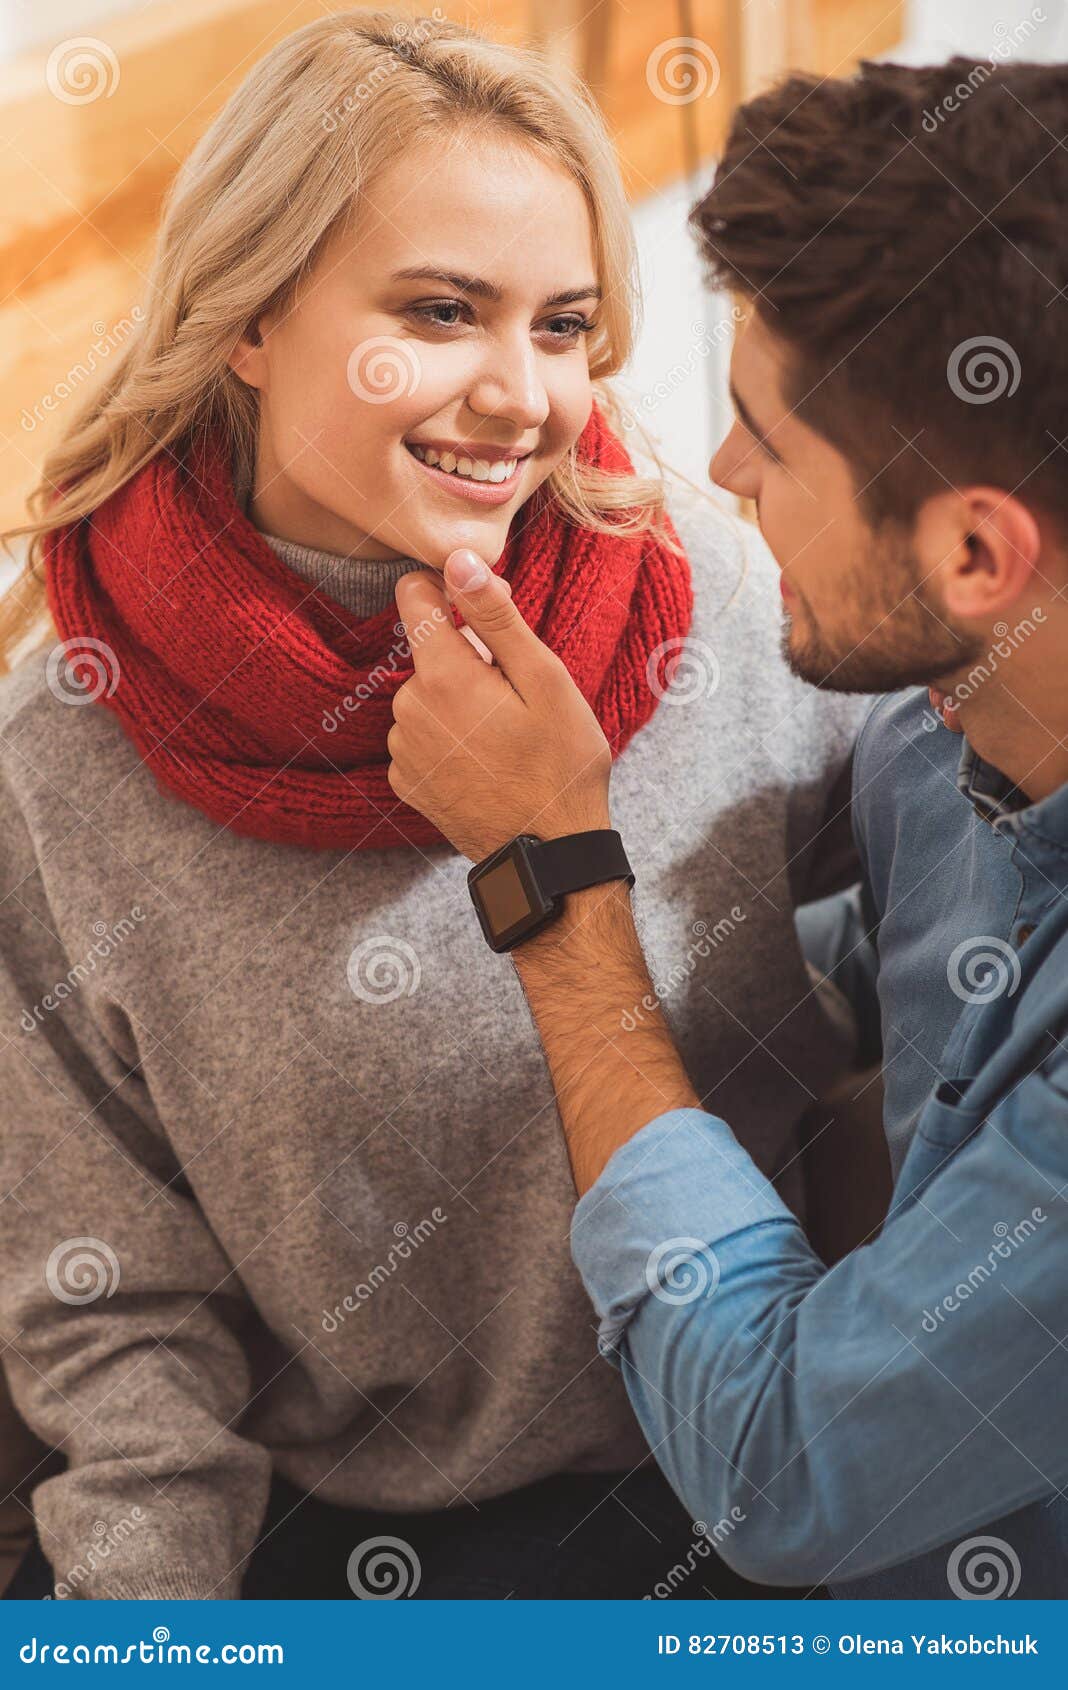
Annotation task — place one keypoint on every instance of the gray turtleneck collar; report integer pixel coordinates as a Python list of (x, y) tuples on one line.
[(361, 585)]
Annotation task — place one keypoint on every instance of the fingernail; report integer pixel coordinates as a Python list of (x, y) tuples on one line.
[(466, 570)]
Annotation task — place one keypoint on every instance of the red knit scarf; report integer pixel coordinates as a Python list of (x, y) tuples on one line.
[(223, 665)]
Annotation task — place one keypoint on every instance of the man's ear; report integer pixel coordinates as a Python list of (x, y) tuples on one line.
[(248, 359), (979, 547)]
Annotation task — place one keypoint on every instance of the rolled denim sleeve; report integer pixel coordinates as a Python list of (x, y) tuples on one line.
[(843, 1420), (645, 1220)]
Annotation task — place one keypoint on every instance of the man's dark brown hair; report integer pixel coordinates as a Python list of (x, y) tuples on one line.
[(889, 227)]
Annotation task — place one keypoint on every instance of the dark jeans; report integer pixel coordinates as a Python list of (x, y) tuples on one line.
[(571, 1536)]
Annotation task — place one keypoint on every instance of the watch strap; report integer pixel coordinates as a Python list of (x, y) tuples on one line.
[(579, 860)]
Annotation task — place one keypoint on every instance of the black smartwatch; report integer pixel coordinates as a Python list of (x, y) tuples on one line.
[(521, 888)]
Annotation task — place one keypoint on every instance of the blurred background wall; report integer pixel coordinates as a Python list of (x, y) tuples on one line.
[(101, 99)]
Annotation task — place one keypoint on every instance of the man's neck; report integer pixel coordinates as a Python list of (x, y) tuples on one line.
[(1019, 724)]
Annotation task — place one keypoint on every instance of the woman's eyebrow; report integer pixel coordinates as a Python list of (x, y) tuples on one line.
[(488, 290)]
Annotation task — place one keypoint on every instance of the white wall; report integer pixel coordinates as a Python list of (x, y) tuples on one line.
[(34, 23), (939, 28)]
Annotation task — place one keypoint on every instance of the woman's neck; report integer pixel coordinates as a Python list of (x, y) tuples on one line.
[(362, 586)]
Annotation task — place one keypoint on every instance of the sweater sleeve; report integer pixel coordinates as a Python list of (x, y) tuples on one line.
[(120, 1315)]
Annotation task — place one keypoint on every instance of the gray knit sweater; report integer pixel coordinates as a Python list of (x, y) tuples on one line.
[(283, 1183)]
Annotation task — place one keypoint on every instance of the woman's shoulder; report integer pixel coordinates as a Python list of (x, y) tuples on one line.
[(58, 749), (25, 705), (732, 568), (19, 687), (42, 695)]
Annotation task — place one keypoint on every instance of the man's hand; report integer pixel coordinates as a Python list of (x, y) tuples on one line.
[(488, 750)]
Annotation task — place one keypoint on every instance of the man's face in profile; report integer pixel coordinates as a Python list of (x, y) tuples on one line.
[(860, 601)]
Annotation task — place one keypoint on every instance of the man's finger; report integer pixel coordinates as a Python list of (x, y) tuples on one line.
[(485, 602), (435, 640)]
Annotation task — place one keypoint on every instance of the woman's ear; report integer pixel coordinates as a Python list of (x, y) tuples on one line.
[(248, 359)]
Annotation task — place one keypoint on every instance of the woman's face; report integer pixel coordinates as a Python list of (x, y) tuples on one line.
[(449, 318)]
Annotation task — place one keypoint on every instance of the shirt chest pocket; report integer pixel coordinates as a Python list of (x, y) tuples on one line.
[(947, 1122)]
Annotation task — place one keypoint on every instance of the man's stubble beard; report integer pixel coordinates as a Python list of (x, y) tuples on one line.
[(895, 639)]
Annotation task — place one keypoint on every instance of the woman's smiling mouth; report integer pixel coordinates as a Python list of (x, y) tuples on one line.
[(491, 478)]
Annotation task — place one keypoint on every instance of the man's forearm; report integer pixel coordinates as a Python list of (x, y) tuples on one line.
[(581, 977)]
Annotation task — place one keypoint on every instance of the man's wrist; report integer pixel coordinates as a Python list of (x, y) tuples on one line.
[(587, 918), (582, 974)]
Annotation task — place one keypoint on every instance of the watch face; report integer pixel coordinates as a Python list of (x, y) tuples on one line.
[(504, 896)]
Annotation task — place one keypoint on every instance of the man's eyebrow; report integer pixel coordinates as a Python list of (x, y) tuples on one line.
[(480, 289), (748, 421)]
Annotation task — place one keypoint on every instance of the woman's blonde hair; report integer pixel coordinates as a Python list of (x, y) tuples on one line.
[(250, 209)]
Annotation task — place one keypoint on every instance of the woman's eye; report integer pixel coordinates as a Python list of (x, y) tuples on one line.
[(568, 329), (563, 330), (440, 313)]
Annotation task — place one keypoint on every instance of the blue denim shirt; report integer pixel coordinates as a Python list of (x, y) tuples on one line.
[(890, 1426)]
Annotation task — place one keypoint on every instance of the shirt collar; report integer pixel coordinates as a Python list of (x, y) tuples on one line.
[(998, 801), (988, 791)]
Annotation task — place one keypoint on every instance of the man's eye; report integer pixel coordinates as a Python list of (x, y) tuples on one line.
[(763, 446)]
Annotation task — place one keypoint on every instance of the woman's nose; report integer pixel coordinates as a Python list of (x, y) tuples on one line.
[(509, 385)]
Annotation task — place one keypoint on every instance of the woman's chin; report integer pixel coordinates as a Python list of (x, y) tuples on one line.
[(485, 535)]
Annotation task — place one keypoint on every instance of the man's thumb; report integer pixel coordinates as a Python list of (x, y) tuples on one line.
[(485, 602)]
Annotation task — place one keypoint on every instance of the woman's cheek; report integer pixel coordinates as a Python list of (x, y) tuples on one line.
[(577, 405)]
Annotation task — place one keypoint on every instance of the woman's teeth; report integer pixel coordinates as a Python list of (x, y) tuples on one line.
[(477, 469)]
